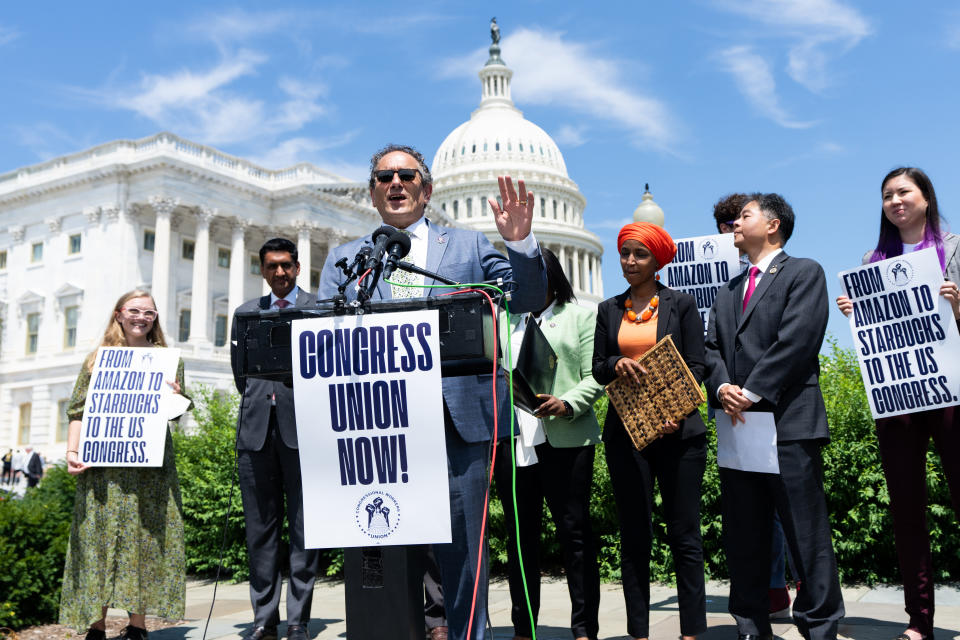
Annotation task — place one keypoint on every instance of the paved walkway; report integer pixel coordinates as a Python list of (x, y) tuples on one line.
[(872, 614)]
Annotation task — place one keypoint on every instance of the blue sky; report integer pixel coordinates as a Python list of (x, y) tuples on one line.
[(815, 99)]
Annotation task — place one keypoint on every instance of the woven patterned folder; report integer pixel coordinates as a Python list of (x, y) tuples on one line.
[(668, 392)]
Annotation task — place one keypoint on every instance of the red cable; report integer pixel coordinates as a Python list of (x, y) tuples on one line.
[(493, 457), (365, 274)]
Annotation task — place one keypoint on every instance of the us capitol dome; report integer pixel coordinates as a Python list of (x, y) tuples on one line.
[(498, 140)]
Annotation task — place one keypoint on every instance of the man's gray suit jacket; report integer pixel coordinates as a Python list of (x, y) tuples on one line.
[(463, 256)]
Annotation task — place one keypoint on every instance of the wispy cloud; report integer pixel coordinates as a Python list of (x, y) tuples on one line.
[(46, 140), (8, 35), (755, 80), (238, 26), (816, 31), (301, 149), (610, 224), (550, 69), (570, 136)]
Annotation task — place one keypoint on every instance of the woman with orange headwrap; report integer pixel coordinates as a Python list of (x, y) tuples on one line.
[(627, 326)]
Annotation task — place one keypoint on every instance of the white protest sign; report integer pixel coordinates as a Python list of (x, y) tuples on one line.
[(702, 265), (369, 405), (904, 333), (127, 407)]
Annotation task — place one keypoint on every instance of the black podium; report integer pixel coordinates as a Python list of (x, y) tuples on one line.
[(383, 585)]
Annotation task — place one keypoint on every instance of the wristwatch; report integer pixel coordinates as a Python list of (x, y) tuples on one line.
[(568, 407)]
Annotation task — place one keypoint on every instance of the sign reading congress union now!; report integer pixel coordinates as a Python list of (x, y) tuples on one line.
[(369, 405), (127, 407), (904, 333), (702, 265)]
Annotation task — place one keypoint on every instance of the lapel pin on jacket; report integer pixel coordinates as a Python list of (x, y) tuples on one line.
[(773, 269)]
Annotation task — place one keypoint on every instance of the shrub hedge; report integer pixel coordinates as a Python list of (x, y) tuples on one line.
[(34, 530)]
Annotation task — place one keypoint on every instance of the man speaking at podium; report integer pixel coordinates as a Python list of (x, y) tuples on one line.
[(400, 187)]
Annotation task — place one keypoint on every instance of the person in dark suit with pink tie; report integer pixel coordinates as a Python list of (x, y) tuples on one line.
[(763, 341), (268, 463)]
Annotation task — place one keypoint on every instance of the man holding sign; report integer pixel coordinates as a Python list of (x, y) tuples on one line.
[(763, 340), (400, 187)]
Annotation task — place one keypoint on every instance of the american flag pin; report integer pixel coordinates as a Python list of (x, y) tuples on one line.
[(773, 269), (441, 239)]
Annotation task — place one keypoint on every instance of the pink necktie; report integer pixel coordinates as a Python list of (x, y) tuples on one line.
[(282, 303), (754, 272)]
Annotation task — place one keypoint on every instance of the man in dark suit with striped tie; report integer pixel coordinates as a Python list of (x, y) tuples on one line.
[(763, 341), (269, 466)]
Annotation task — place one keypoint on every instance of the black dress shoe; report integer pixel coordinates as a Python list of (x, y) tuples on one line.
[(756, 636), (297, 632), (263, 633)]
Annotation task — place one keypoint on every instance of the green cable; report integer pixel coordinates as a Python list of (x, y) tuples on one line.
[(513, 450)]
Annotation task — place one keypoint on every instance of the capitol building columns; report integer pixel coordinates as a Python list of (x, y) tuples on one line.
[(238, 265), (160, 273)]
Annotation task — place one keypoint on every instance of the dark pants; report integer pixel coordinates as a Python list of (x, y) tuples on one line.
[(7, 473), (433, 612), (266, 476), (903, 451), (677, 466), (563, 477), (748, 502), (467, 473)]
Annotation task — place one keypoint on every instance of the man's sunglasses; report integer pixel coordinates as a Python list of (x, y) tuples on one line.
[(386, 175)]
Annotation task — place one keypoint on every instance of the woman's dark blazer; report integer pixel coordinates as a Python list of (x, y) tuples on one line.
[(678, 316)]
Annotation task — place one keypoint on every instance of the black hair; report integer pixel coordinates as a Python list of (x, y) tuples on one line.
[(278, 244), (727, 209), (557, 282), (890, 244), (774, 207)]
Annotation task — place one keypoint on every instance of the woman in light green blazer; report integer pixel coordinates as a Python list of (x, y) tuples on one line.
[(554, 452)]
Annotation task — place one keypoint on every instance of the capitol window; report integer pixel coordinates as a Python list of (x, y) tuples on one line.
[(473, 149), (496, 147), (187, 249), (33, 332), (149, 239), (63, 422), (74, 247), (484, 146), (223, 258), (23, 433), (469, 207), (543, 207), (36, 252), (220, 332), (183, 332), (70, 315), (521, 147), (3, 260), (456, 209), (254, 264), (314, 279)]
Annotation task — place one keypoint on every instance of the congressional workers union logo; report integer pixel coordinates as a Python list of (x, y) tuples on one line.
[(899, 273), (378, 514), (709, 249)]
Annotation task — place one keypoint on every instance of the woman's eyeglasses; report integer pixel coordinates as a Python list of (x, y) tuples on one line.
[(386, 175), (133, 312)]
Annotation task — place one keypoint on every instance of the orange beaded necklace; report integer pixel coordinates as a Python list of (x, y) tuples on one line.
[(646, 314)]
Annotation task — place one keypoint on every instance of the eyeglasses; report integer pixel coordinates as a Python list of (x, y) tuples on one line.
[(386, 175), (133, 312)]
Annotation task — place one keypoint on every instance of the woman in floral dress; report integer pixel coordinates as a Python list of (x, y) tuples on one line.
[(126, 540)]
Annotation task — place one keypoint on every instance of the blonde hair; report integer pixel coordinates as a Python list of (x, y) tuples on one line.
[(113, 336)]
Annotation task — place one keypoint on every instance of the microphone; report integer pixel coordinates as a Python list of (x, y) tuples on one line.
[(381, 237), (397, 247)]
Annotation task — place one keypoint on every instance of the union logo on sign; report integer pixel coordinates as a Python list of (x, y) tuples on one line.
[(899, 273), (378, 514)]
